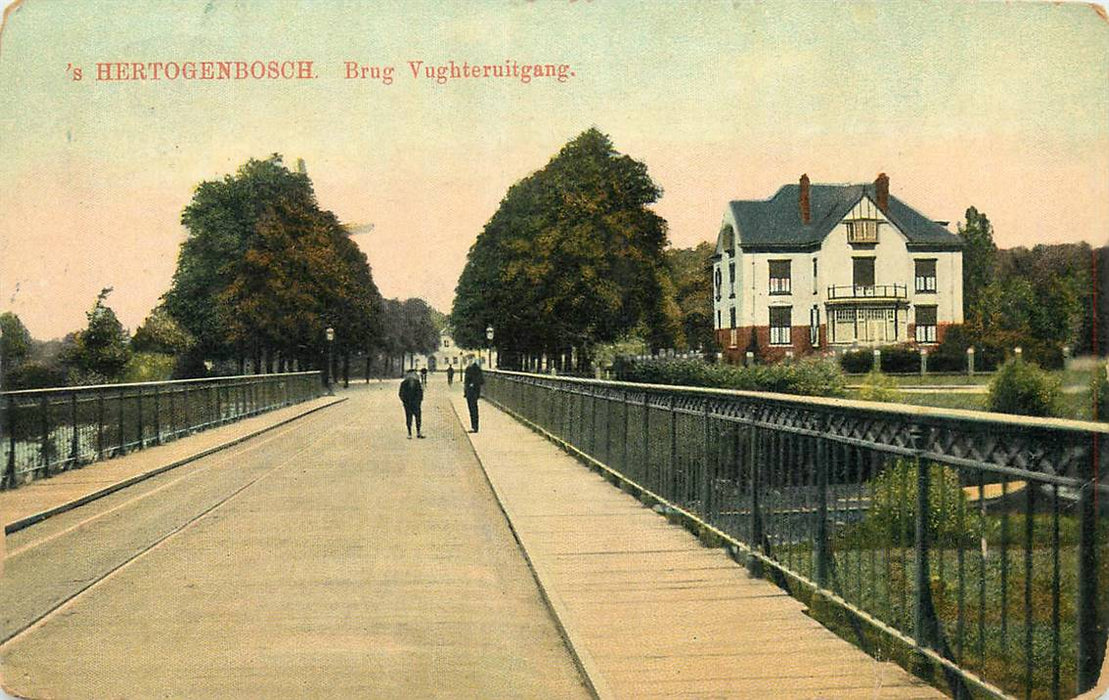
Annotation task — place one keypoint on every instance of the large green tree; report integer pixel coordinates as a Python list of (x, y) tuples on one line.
[(264, 271), (15, 341), (979, 261), (572, 257)]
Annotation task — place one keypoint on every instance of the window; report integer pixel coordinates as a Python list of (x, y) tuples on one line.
[(717, 281), (925, 324), (731, 280), (733, 317), (814, 326), (862, 231), (925, 276), (719, 323), (779, 277), (814, 275), (863, 272), (781, 320), (447, 343)]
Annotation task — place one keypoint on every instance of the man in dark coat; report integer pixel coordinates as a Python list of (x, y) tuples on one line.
[(472, 379), (450, 375), (412, 395)]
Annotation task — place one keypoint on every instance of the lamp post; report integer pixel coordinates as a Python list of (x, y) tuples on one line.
[(330, 346), (489, 344)]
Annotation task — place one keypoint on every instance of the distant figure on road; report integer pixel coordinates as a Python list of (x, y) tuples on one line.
[(450, 375), (472, 379), (423, 376), (412, 395)]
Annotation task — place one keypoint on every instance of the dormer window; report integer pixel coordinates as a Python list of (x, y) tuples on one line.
[(862, 231)]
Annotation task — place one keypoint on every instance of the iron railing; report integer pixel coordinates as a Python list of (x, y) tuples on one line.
[(867, 291), (46, 431), (976, 539)]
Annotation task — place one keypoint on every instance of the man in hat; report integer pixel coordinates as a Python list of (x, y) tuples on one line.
[(412, 395), (472, 379)]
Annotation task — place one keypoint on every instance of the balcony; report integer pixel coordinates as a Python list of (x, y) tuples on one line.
[(869, 292)]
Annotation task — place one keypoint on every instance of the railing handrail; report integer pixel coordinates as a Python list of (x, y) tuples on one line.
[(927, 412), (902, 288), (170, 382)]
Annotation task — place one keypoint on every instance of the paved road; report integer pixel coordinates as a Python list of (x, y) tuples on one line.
[(330, 558)]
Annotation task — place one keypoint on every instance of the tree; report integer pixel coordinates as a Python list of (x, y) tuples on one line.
[(161, 333), (265, 271), (979, 261), (409, 327), (572, 257), (15, 341), (691, 271), (101, 350)]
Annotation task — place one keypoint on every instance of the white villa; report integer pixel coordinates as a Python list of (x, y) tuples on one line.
[(820, 267), (448, 354)]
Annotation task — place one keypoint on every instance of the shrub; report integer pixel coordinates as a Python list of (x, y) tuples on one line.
[(879, 387), (810, 377), (35, 375), (893, 495), (1099, 395), (1023, 388), (857, 361), (149, 367), (900, 358)]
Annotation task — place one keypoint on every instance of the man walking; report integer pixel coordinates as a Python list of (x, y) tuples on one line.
[(472, 379), (412, 395), (450, 375)]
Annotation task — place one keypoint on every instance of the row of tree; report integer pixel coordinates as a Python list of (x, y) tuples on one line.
[(263, 272)]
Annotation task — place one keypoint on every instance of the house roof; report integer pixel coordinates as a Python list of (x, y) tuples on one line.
[(776, 222)]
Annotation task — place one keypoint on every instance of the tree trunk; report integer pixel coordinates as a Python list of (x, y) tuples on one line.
[(346, 369)]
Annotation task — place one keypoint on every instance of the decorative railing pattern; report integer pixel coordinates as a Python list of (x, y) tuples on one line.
[(978, 539), (46, 431), (867, 291)]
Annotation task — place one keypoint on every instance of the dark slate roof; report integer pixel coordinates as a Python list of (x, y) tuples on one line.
[(775, 223)]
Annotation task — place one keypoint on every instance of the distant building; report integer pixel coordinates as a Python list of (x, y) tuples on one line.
[(448, 354), (822, 267)]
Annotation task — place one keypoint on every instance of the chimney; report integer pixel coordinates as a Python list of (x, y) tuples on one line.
[(882, 190), (806, 212)]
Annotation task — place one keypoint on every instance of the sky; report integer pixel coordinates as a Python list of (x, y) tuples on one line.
[(1003, 106)]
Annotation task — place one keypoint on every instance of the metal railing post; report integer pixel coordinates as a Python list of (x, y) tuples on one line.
[(9, 473), (142, 428), (99, 425), (647, 440), (122, 435), (74, 445), (157, 416), (1090, 646), (44, 407), (922, 580), (821, 543), (672, 460), (755, 565), (706, 487)]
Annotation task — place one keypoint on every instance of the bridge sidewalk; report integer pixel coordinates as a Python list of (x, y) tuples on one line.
[(647, 610), (43, 498)]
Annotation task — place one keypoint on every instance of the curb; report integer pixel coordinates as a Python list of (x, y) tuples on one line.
[(590, 674), (29, 520)]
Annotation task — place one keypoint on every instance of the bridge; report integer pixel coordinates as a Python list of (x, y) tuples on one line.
[(250, 537)]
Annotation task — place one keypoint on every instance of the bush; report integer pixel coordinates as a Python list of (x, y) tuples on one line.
[(1099, 395), (35, 375), (149, 367), (880, 387), (857, 361), (900, 358), (1023, 388), (809, 377), (893, 494)]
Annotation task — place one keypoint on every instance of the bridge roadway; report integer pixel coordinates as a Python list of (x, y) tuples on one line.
[(331, 557)]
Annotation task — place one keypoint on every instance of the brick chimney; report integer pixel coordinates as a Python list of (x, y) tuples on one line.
[(882, 191), (803, 200)]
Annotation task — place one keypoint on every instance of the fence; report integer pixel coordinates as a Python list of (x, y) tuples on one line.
[(50, 430), (974, 541)]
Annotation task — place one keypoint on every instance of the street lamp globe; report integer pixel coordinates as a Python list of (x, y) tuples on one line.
[(330, 334), (489, 333)]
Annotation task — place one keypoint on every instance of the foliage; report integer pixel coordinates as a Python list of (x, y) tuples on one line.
[(1023, 388), (34, 374), (809, 377), (409, 326), (571, 258), (979, 260), (880, 387), (857, 360), (1099, 394), (893, 504), (606, 354), (265, 270), (101, 350), (900, 359), (15, 341), (691, 272), (160, 333), (149, 367)]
